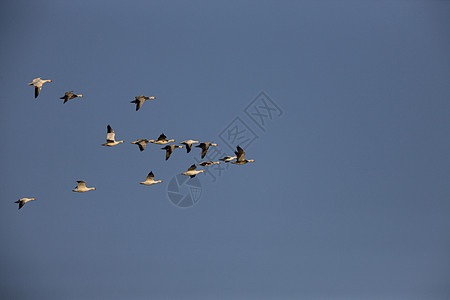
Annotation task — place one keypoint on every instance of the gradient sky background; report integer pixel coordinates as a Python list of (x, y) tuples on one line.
[(349, 196)]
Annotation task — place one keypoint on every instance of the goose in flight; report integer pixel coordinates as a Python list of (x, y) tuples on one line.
[(150, 179), (240, 153), (169, 149), (22, 201), (141, 143), (188, 144), (110, 135), (139, 100), (38, 82), (162, 140), (69, 96), (192, 172), (208, 163), (227, 158), (81, 187), (205, 147)]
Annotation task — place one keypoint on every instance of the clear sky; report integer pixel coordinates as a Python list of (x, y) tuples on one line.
[(349, 197)]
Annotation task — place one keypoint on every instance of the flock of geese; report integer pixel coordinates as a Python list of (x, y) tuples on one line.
[(239, 158)]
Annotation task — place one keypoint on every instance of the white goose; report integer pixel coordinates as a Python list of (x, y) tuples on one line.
[(38, 83), (192, 172), (110, 138), (150, 179), (240, 153), (142, 143), (22, 201), (69, 96), (188, 144), (162, 140), (139, 100), (81, 187)]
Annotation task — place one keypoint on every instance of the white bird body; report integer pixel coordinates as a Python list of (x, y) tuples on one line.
[(192, 171), (110, 138), (38, 83), (150, 180), (81, 187), (22, 201)]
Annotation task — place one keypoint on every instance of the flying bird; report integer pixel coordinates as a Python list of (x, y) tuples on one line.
[(162, 140), (205, 147), (188, 144), (69, 96), (150, 179), (139, 100), (227, 158), (240, 153), (22, 201), (81, 187), (141, 143), (169, 149), (208, 163), (192, 171), (110, 135), (38, 82)]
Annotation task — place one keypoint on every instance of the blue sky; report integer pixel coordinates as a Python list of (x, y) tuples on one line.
[(349, 194)]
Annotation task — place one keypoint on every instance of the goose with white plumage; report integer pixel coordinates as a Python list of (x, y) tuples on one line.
[(38, 83), (110, 138)]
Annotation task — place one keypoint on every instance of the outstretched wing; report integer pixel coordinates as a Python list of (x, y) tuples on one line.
[(142, 145), (240, 153), (188, 147), (110, 135), (139, 103), (204, 150), (150, 176), (37, 90), (193, 167), (168, 152), (81, 184), (21, 203), (162, 137)]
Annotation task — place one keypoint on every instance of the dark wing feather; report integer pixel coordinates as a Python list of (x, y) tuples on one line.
[(109, 129), (162, 137), (204, 150), (168, 152), (138, 104), (193, 167), (188, 148), (21, 203), (36, 91)]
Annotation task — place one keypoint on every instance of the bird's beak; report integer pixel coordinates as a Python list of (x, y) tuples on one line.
[(80, 95)]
